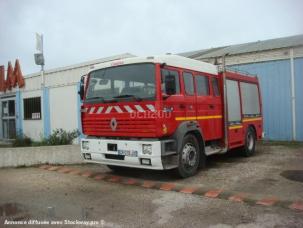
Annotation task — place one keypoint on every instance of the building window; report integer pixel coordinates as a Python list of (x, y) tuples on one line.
[(202, 85), (215, 84), (32, 108), (188, 83), (8, 108)]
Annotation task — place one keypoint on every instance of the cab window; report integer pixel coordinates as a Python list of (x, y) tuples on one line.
[(215, 85), (164, 73), (188, 83), (202, 85)]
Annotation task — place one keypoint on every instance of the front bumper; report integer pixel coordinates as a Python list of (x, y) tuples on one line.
[(112, 152)]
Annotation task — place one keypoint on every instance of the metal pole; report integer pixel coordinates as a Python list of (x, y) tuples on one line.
[(42, 66), (293, 93), (42, 78), (225, 104)]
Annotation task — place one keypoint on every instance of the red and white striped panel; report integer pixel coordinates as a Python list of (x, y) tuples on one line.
[(119, 109)]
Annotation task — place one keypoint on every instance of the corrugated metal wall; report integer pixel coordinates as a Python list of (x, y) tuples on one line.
[(275, 84), (274, 79), (299, 96)]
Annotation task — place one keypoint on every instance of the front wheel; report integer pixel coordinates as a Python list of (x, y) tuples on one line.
[(189, 157), (250, 143)]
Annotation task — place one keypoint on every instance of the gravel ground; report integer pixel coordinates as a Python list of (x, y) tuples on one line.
[(34, 191)]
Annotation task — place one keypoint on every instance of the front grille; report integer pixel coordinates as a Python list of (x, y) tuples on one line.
[(129, 127)]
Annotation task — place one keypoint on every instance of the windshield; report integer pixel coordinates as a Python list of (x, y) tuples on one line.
[(136, 81)]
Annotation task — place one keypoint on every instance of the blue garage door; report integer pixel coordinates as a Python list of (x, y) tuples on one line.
[(274, 77), (299, 97)]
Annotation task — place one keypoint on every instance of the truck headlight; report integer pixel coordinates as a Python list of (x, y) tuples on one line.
[(147, 149), (85, 145)]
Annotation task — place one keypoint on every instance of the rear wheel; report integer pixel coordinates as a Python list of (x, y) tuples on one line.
[(250, 142), (189, 156)]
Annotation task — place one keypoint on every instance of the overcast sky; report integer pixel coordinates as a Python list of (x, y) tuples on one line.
[(76, 31)]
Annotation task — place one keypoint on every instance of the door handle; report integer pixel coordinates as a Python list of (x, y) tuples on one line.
[(211, 106), (182, 106)]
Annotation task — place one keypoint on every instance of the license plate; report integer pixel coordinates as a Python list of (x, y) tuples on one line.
[(129, 153)]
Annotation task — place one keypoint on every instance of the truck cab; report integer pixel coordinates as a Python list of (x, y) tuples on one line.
[(166, 112)]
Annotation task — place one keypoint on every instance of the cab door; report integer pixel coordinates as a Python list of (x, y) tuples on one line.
[(204, 106), (189, 96), (173, 104), (216, 109)]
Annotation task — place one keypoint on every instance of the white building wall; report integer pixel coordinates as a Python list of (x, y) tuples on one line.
[(33, 128), (32, 83), (63, 108), (66, 77)]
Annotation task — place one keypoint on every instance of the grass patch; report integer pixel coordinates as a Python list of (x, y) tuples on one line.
[(58, 137)]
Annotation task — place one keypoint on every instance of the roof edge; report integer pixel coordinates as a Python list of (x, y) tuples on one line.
[(82, 64)]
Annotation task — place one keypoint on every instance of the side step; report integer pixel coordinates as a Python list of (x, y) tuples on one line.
[(209, 150)]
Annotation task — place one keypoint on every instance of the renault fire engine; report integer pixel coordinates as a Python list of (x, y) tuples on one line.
[(167, 112)]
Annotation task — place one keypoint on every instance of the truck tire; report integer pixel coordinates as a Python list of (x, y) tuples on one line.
[(189, 157), (250, 142)]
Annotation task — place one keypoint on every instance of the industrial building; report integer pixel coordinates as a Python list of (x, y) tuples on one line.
[(45, 103), (50, 102), (278, 63)]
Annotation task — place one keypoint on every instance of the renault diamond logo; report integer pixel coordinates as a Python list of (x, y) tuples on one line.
[(113, 124)]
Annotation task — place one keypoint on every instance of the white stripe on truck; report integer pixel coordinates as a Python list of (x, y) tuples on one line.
[(139, 108), (129, 109)]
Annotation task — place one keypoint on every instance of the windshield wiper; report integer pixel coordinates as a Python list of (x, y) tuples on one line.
[(102, 99), (129, 96), (96, 97)]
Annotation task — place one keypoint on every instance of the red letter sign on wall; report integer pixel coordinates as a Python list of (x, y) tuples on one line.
[(9, 76), (18, 74), (2, 80), (14, 77)]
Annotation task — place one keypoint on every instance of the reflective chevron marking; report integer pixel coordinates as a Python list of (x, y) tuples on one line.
[(118, 109), (129, 109), (91, 110), (151, 108), (84, 109), (139, 108), (99, 110), (108, 110)]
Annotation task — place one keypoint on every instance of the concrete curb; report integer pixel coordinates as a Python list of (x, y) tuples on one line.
[(237, 197), (29, 156)]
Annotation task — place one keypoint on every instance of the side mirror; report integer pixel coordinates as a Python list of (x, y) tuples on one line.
[(170, 84), (81, 89)]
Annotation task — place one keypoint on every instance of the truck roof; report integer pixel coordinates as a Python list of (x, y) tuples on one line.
[(168, 59)]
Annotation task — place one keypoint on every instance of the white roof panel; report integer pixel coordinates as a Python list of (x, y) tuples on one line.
[(170, 60)]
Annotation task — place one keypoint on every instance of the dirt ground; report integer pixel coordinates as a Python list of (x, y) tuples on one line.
[(275, 171)]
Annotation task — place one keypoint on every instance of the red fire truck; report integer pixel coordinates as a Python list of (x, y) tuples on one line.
[(167, 112)]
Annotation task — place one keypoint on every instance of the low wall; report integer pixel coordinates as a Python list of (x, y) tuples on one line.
[(27, 156)]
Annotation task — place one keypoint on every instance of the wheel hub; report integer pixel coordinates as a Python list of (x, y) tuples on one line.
[(189, 155)]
